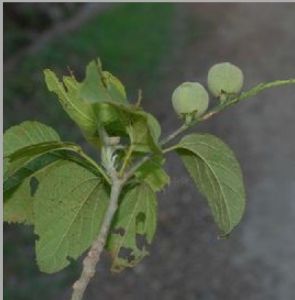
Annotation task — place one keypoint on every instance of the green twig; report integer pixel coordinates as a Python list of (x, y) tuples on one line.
[(93, 256), (218, 108), (174, 134), (92, 162), (126, 161)]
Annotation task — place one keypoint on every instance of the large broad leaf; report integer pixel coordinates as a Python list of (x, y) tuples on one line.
[(69, 205), (153, 173), (133, 227), (217, 174), (15, 138), (31, 148), (127, 120)]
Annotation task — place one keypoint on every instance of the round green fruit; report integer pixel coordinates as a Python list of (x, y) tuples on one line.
[(190, 98), (225, 78)]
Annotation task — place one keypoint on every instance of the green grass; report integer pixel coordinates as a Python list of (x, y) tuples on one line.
[(131, 40)]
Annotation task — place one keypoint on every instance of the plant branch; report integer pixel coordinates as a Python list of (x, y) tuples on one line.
[(218, 108), (174, 134), (92, 258), (90, 261), (245, 95), (126, 161), (93, 255), (92, 162), (137, 165)]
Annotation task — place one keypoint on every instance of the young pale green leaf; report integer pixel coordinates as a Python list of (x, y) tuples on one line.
[(133, 228), (217, 174), (115, 88), (144, 132), (153, 173), (69, 205), (117, 119), (79, 110), (101, 86), (154, 126)]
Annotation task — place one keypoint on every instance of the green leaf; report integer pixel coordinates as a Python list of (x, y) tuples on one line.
[(144, 132), (79, 110), (217, 174), (154, 126), (101, 86), (26, 134), (20, 158), (77, 97), (115, 88), (117, 119), (69, 206), (29, 149), (153, 174), (19, 189), (41, 148), (133, 228)]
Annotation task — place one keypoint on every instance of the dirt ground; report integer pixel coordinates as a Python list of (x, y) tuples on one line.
[(257, 262)]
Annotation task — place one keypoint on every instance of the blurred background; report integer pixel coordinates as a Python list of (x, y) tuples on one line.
[(155, 47)]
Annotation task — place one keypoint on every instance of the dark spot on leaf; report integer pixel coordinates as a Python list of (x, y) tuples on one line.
[(34, 183), (70, 259), (140, 219), (119, 231), (125, 253), (141, 241)]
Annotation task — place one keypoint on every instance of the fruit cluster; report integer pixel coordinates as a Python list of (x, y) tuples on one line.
[(191, 99)]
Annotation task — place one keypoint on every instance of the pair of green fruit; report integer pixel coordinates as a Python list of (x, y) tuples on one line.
[(191, 98)]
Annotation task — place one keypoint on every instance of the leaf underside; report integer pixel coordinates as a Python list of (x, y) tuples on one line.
[(68, 211), (218, 176), (26, 134), (133, 227)]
